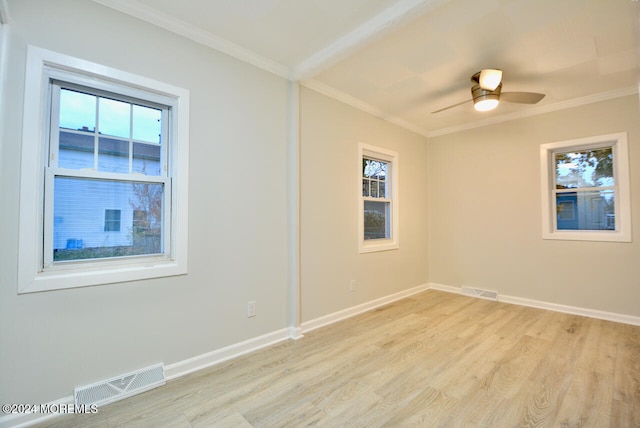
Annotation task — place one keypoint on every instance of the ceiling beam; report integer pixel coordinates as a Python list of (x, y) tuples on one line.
[(386, 21)]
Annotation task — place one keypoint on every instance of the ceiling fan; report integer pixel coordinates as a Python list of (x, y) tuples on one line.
[(486, 92)]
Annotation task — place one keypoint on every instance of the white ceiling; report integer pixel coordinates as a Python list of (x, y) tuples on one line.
[(403, 59)]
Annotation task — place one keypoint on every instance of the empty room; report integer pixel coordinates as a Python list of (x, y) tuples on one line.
[(283, 213)]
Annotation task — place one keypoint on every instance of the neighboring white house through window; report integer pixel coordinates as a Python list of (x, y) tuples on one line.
[(378, 209), (112, 198), (585, 188)]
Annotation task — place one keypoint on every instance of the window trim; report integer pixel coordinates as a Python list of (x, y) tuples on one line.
[(622, 200), (42, 67), (393, 160)]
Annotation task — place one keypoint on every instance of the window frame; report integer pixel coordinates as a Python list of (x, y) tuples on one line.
[(622, 200), (393, 167), (43, 69)]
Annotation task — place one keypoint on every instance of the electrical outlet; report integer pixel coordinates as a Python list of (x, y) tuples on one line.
[(251, 309), (352, 285)]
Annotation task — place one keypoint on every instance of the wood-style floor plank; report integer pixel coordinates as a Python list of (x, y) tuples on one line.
[(434, 359)]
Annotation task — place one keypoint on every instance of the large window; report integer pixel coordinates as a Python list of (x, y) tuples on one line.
[(111, 199), (378, 211), (586, 189)]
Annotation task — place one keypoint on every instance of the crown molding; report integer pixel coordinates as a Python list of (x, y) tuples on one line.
[(384, 22), (367, 108), (331, 92), (147, 14), (548, 108), (4, 12)]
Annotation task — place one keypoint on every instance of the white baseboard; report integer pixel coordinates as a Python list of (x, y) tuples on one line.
[(364, 307), (218, 356), (295, 333), (556, 307), (447, 288)]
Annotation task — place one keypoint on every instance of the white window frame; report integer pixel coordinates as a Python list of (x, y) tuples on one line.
[(393, 168), (43, 67), (622, 200)]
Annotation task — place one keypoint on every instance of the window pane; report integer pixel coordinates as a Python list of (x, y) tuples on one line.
[(86, 225), (114, 118), (146, 124), (376, 220), (113, 155), (592, 210), (75, 151), (146, 159), (587, 168), (365, 187), (374, 189), (77, 110), (374, 169)]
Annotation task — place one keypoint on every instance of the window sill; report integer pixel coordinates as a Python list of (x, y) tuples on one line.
[(64, 278), (375, 245), (592, 235)]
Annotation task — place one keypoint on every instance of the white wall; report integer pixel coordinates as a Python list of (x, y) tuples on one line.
[(330, 185), (51, 342), (485, 222), (470, 212)]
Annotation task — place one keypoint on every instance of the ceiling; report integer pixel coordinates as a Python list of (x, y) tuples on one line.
[(403, 59)]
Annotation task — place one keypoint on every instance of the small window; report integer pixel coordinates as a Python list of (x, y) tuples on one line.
[(111, 199), (586, 189), (112, 220), (378, 199)]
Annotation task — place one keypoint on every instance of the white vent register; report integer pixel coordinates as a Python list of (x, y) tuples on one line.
[(480, 293), (117, 388)]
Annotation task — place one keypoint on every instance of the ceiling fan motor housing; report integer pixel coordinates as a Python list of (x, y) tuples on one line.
[(482, 94)]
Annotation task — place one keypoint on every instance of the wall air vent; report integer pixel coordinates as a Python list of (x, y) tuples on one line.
[(117, 388), (480, 293)]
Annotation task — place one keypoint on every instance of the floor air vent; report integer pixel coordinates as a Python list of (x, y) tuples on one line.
[(480, 293), (117, 388)]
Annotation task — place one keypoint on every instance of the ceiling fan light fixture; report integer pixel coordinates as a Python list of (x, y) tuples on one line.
[(486, 104), (485, 100), (490, 78)]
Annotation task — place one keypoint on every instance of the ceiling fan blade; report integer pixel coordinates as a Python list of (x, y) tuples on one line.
[(521, 97), (451, 106)]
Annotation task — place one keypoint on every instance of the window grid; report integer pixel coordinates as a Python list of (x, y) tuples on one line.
[(127, 241), (56, 127)]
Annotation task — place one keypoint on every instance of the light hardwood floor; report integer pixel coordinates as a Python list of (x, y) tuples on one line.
[(435, 359)]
